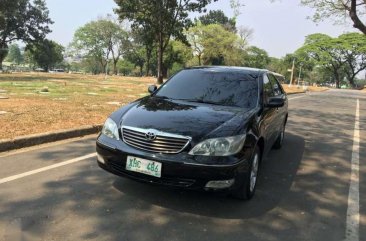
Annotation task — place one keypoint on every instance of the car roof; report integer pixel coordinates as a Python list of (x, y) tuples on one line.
[(230, 69)]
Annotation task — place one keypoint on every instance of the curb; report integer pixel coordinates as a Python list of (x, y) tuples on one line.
[(37, 139), (296, 93)]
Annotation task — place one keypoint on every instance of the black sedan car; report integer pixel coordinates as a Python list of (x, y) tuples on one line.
[(205, 128)]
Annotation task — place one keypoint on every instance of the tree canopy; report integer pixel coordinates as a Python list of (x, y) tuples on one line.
[(46, 54), (23, 20), (15, 55), (166, 19), (344, 56), (101, 40), (256, 58), (356, 10), (212, 44), (218, 17)]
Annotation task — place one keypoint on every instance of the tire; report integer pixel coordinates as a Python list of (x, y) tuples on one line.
[(279, 141), (247, 190)]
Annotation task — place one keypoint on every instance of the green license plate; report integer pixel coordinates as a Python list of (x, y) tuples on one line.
[(144, 166)]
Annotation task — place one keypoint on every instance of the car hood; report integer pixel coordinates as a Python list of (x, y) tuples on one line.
[(180, 117)]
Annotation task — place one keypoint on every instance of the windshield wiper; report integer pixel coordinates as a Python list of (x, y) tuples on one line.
[(203, 101), (162, 97)]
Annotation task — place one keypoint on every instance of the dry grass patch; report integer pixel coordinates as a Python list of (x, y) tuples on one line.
[(317, 89), (293, 89), (71, 101)]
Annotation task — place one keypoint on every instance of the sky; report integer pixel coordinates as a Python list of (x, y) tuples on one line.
[(279, 27)]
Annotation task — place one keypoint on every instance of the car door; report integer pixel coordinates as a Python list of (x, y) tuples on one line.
[(268, 114), (280, 113)]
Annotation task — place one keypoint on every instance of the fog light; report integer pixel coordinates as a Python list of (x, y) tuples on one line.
[(100, 159), (220, 184)]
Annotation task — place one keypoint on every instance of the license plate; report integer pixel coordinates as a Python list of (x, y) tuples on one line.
[(144, 166)]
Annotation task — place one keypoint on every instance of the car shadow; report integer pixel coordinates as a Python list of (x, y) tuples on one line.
[(277, 174)]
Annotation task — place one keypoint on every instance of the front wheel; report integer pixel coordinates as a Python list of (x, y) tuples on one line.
[(247, 190)]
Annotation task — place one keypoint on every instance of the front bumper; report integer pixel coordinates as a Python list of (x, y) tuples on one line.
[(178, 170)]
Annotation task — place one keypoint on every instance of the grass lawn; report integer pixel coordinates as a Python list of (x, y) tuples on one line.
[(72, 100)]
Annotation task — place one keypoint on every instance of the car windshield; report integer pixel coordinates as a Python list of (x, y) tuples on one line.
[(221, 87)]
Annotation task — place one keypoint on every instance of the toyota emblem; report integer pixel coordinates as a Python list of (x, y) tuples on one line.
[(150, 136)]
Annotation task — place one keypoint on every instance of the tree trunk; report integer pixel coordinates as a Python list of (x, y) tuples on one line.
[(165, 72), (336, 76), (351, 80), (357, 23), (199, 59), (3, 54), (141, 70), (148, 58), (160, 59), (115, 67)]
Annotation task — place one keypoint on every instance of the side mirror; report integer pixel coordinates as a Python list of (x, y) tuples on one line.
[(152, 89), (275, 102)]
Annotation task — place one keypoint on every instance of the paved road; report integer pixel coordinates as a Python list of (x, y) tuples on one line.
[(303, 190)]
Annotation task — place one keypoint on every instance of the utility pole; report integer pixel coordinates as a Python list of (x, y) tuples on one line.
[(298, 80), (292, 72)]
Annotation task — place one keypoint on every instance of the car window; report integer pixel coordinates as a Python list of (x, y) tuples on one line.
[(222, 87), (275, 85), (267, 89)]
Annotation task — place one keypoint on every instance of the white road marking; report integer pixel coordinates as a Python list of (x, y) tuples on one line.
[(297, 97), (43, 169), (353, 210), (41, 146)]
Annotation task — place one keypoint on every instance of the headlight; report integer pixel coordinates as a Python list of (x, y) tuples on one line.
[(110, 129), (224, 146)]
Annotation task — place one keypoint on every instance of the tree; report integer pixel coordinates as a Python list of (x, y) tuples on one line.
[(218, 17), (102, 39), (136, 55), (144, 36), (23, 20), (125, 67), (344, 56), (221, 47), (15, 55), (256, 58), (120, 42), (166, 19), (354, 54), (325, 52), (356, 9), (212, 44), (245, 33), (177, 55), (47, 54), (195, 37)]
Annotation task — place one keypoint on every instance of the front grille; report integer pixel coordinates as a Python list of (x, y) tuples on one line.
[(163, 142)]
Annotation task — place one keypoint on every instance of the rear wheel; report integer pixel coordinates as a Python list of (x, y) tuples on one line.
[(247, 190), (280, 138)]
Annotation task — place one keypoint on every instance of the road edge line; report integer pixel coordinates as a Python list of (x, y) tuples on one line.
[(43, 169), (353, 209)]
